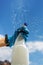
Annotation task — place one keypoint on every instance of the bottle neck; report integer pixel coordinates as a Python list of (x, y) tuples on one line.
[(19, 40)]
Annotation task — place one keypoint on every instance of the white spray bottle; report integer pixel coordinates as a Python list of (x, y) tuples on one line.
[(20, 53)]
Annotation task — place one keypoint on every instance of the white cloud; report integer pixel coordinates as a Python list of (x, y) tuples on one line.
[(1, 36), (5, 52), (35, 46)]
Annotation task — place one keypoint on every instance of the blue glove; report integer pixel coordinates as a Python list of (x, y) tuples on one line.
[(24, 32)]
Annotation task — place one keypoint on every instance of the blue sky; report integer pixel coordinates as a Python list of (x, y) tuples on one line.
[(13, 13)]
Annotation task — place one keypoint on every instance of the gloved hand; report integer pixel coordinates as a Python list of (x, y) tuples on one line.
[(24, 32)]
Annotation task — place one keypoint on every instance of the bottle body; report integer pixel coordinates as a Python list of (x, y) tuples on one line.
[(20, 55)]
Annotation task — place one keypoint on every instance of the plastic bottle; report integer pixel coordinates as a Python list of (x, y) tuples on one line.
[(20, 54)]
